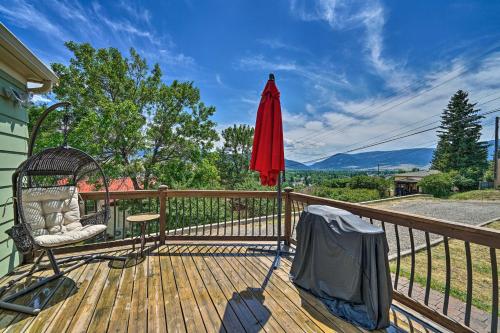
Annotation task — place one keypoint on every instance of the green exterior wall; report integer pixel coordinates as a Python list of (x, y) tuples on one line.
[(13, 150)]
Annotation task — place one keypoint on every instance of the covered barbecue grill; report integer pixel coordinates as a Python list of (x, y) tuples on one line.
[(343, 260)]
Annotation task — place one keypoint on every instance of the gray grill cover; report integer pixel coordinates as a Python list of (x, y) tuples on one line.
[(343, 260)]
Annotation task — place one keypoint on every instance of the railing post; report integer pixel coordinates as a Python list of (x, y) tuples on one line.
[(288, 215), (162, 192)]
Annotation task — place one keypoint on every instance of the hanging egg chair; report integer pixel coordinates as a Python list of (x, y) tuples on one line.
[(47, 206)]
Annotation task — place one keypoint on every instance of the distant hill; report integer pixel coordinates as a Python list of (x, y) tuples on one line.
[(294, 165), (392, 159), (491, 149)]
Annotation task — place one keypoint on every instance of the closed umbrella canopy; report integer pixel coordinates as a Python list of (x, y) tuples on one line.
[(268, 157)]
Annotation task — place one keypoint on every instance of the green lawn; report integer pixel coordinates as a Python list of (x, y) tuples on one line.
[(477, 195), (481, 292)]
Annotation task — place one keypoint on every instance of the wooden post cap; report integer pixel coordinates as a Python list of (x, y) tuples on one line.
[(163, 187), (288, 189)]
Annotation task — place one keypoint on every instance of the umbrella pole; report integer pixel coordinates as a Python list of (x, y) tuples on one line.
[(278, 252), (277, 260)]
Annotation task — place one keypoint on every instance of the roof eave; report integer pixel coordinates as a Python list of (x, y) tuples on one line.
[(44, 74)]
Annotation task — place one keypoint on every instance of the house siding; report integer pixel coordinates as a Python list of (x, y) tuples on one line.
[(13, 151)]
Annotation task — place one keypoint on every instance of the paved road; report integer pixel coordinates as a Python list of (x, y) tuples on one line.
[(465, 211)]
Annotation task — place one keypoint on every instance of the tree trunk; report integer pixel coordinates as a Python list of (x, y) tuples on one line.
[(135, 182)]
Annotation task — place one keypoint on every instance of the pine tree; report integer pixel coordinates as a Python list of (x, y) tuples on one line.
[(459, 147)]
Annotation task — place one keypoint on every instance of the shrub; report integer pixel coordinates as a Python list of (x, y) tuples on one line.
[(347, 194), (439, 185), (368, 182), (336, 182), (464, 184)]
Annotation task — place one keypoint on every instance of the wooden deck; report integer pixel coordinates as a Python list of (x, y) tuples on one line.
[(182, 288)]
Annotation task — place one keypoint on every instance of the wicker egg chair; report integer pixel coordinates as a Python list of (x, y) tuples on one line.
[(47, 212)]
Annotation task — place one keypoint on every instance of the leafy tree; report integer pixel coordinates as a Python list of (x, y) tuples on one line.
[(489, 175), (136, 125), (460, 131), (234, 156), (375, 183), (439, 185)]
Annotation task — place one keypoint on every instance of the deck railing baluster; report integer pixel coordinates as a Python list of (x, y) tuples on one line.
[(225, 216), (239, 216), (429, 268), (267, 216), (260, 216), (246, 217), (398, 257), (274, 216), (123, 220), (253, 216), (412, 267), (190, 215), (232, 216), (448, 275), (468, 302), (204, 220), (115, 218), (494, 290)]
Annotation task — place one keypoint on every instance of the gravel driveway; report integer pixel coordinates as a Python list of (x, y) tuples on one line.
[(464, 211)]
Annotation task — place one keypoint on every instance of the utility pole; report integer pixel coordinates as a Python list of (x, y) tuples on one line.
[(495, 153)]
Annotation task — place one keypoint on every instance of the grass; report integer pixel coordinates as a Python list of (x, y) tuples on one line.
[(481, 270), (477, 195)]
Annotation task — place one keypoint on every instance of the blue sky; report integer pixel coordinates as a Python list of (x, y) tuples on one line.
[(350, 72)]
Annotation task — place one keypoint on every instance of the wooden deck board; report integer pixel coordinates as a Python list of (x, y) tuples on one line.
[(54, 304), (181, 288), (156, 312), (70, 305), (249, 273), (137, 321)]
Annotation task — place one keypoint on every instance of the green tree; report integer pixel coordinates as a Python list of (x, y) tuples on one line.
[(459, 147), (234, 156), (439, 185), (134, 123)]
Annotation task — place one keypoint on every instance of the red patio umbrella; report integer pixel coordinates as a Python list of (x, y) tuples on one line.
[(268, 156)]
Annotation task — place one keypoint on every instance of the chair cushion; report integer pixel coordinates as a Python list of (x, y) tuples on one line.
[(70, 237), (51, 210)]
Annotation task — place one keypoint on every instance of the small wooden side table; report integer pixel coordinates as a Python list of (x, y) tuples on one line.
[(143, 220)]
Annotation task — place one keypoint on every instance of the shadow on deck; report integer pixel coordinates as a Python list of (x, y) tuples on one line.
[(184, 287)]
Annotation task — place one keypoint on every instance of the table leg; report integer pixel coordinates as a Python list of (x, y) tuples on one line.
[(143, 237), (133, 238)]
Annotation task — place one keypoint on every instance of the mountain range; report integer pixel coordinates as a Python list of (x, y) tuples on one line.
[(391, 159)]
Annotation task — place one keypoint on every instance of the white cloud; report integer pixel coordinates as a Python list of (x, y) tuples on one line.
[(352, 123), (315, 72), (310, 108), (136, 11), (218, 79), (356, 14), (41, 99), (25, 15), (277, 44), (178, 59), (130, 28)]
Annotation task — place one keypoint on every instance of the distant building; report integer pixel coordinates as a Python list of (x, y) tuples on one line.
[(407, 183)]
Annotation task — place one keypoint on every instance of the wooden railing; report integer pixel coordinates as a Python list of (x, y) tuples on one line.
[(188, 215), (401, 231), (252, 215)]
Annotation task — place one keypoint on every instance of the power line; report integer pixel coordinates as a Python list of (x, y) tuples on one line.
[(420, 121), (408, 99), (388, 140)]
